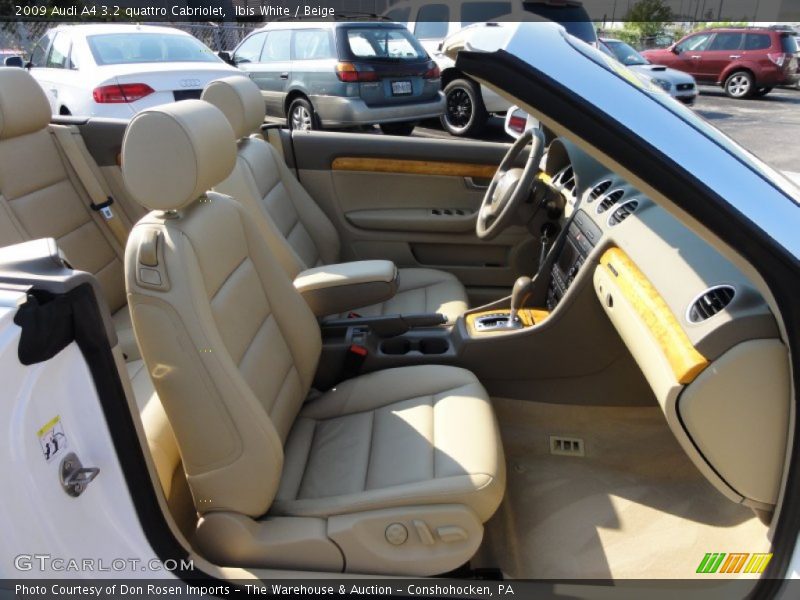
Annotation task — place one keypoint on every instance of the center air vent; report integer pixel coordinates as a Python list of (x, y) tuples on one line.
[(565, 179), (609, 201), (710, 303), (624, 210), (599, 190)]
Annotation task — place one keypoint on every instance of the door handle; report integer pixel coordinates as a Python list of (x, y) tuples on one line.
[(735, 56), (696, 57), (285, 75)]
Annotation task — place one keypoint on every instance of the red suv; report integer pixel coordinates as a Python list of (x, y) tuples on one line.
[(746, 62)]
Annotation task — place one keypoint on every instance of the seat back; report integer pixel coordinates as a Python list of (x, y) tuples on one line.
[(230, 344), (298, 232), (40, 195)]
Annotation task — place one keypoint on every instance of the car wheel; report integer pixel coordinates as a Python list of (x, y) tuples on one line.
[(740, 85), (762, 91), (301, 115), (464, 113), (397, 128)]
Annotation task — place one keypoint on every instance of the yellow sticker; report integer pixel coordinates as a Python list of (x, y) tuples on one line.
[(52, 438)]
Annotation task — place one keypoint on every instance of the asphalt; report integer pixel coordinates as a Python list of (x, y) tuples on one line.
[(769, 127)]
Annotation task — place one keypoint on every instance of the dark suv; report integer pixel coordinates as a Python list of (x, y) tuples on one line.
[(746, 62)]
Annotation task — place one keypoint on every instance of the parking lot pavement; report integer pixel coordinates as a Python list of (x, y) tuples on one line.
[(768, 127)]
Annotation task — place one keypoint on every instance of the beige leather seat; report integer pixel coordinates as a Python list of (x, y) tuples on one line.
[(300, 234), (41, 196), (392, 472)]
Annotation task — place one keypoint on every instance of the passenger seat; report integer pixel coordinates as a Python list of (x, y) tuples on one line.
[(393, 472), (297, 230)]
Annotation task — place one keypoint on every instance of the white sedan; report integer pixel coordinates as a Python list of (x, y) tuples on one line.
[(117, 70)]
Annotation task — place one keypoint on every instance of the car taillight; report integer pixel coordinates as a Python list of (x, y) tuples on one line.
[(432, 73), (121, 93), (779, 58), (517, 123), (350, 73)]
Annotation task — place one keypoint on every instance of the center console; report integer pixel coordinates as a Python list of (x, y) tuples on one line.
[(582, 235)]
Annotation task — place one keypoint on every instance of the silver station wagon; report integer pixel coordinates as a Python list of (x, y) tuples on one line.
[(342, 74)]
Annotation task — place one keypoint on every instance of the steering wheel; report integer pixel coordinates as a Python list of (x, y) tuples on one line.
[(509, 186)]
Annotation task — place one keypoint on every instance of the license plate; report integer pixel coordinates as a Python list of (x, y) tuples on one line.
[(401, 88)]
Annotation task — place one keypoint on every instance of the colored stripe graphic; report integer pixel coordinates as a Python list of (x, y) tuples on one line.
[(711, 562), (735, 562), (757, 563)]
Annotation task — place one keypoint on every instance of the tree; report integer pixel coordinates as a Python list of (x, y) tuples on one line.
[(646, 19)]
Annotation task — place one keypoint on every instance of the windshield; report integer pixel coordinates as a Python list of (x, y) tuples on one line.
[(128, 48), (625, 54), (384, 43), (688, 116)]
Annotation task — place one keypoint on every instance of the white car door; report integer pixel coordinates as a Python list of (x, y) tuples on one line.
[(58, 78), (68, 498)]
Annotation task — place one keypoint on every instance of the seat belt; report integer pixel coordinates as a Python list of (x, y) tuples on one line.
[(99, 201)]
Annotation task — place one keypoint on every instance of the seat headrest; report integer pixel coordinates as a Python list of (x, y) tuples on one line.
[(241, 101), (24, 108), (173, 153)]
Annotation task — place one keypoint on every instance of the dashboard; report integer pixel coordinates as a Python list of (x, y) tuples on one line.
[(697, 327)]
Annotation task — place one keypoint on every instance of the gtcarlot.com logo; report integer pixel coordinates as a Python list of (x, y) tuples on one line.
[(48, 562), (733, 562)]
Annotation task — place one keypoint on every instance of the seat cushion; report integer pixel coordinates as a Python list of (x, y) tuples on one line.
[(422, 291), (409, 436)]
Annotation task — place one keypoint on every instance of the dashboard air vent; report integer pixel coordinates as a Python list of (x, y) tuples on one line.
[(710, 303), (565, 179), (625, 210), (600, 189), (609, 200)]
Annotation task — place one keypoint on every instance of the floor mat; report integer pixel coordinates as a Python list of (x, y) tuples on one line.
[(633, 507)]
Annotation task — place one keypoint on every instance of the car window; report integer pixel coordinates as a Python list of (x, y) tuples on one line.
[(726, 41), (250, 49), (696, 43), (432, 22), (312, 44), (59, 52), (626, 54), (39, 52), (384, 43), (757, 41), (477, 12), (399, 15), (789, 43), (276, 48), (129, 48)]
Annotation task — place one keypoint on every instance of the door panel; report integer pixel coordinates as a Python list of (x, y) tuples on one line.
[(413, 201)]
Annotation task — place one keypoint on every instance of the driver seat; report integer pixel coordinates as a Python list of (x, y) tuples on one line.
[(298, 232), (392, 472)]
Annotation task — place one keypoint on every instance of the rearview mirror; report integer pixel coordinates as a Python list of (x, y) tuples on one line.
[(226, 56), (518, 122), (14, 61), (675, 50)]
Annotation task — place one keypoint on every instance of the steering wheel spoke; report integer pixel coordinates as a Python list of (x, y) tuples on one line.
[(510, 186)]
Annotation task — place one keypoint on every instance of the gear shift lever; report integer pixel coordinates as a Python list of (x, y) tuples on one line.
[(520, 293)]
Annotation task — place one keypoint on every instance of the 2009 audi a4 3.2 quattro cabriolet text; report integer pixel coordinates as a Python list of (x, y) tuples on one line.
[(574, 356)]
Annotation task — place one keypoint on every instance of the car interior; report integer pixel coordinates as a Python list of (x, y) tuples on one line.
[(403, 356)]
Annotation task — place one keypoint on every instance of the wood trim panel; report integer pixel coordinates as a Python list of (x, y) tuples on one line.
[(413, 167), (684, 359), (528, 316)]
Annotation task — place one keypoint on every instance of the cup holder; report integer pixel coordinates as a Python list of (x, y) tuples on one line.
[(396, 346), (399, 346), (434, 346)]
